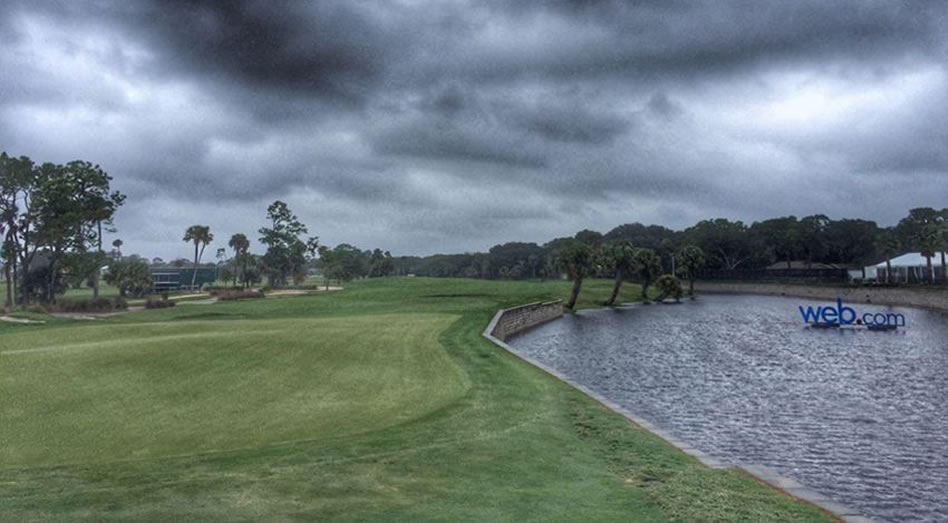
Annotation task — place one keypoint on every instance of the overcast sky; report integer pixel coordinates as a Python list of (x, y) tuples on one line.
[(450, 126)]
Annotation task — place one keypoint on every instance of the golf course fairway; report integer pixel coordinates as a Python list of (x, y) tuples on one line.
[(379, 402)]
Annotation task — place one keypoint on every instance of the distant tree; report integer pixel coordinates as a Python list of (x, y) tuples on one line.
[(117, 247), (17, 180), (200, 236), (70, 201), (909, 229), (251, 272), (381, 264), (929, 241), (577, 260), (887, 244), (388, 264), (378, 257), (728, 244), (8, 253), (690, 260), (510, 255), (647, 267), (851, 241), (286, 254), (241, 246), (780, 236), (668, 287), (327, 263), (813, 237), (221, 256), (621, 257), (227, 273), (157, 261), (592, 239), (131, 276), (350, 262)]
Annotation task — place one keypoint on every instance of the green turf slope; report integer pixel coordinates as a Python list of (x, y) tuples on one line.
[(106, 393), (378, 403)]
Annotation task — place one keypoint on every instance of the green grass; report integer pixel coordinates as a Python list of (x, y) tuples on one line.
[(380, 402)]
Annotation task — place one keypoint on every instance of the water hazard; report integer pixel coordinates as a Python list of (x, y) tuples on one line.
[(859, 416)]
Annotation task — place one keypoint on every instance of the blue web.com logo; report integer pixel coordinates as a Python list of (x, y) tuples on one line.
[(842, 315)]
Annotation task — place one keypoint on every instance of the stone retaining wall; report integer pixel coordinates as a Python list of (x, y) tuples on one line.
[(926, 298), (518, 319)]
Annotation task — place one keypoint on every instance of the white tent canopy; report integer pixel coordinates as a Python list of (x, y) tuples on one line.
[(911, 266), (911, 259)]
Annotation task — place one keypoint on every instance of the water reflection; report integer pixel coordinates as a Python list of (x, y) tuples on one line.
[(857, 415)]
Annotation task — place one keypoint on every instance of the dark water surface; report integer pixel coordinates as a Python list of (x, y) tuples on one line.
[(859, 416)]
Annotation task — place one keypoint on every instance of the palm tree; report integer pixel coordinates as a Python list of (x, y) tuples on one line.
[(647, 267), (668, 285), (621, 256), (888, 245), (241, 245), (200, 235), (577, 260), (929, 240), (117, 246), (691, 258)]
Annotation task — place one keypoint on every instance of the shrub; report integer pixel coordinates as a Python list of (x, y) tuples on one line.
[(159, 303), (35, 308), (93, 305), (239, 295)]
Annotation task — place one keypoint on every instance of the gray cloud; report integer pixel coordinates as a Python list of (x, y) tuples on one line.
[(427, 126)]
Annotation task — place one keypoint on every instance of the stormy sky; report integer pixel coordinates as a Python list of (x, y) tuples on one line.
[(450, 126)]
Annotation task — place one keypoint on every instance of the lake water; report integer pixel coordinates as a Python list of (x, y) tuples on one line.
[(859, 416)]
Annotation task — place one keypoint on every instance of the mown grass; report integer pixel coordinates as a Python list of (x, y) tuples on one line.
[(441, 424)]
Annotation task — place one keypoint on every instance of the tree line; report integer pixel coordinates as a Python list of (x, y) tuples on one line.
[(289, 257), (725, 244)]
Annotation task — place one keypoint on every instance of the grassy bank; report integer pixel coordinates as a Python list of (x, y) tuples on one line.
[(380, 402)]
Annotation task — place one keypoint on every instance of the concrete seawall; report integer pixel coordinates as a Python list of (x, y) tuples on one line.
[(518, 319), (915, 297)]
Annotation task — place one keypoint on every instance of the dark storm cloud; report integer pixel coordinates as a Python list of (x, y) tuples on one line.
[(421, 126), (701, 37)]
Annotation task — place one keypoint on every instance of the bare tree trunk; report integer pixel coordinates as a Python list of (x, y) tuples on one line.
[(645, 283), (194, 273), (577, 286), (691, 286), (888, 270), (615, 288), (944, 274), (7, 274), (95, 275), (51, 288), (14, 284)]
